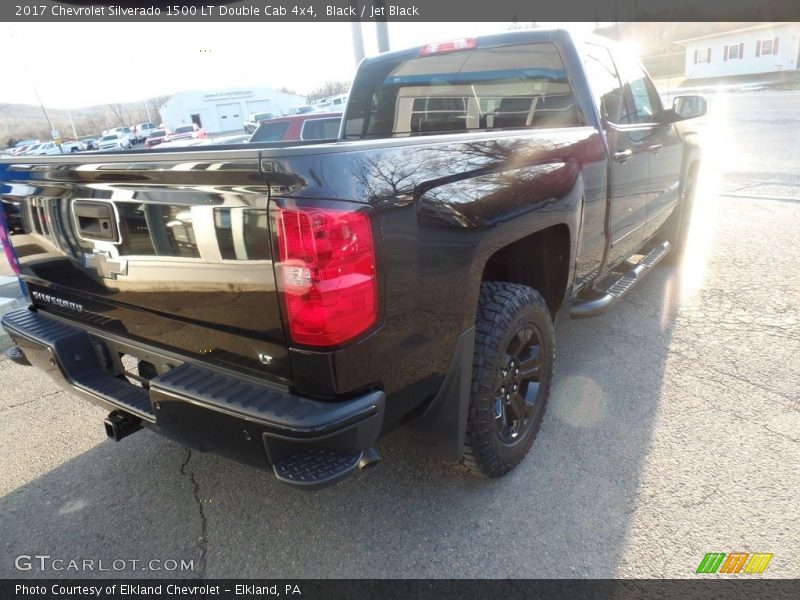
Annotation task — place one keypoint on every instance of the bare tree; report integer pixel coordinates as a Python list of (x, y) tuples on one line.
[(121, 113), (329, 88)]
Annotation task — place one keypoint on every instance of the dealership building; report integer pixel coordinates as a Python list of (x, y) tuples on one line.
[(227, 109)]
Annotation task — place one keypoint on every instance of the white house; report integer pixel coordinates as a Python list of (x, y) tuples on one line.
[(226, 109), (763, 48)]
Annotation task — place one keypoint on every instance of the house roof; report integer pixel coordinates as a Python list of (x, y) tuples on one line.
[(732, 32)]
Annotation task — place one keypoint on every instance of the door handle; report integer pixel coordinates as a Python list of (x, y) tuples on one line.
[(655, 148), (623, 155)]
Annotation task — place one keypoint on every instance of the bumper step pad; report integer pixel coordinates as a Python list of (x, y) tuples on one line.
[(316, 467)]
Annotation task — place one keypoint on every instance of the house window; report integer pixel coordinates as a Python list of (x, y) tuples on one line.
[(767, 47), (734, 52), (702, 56)]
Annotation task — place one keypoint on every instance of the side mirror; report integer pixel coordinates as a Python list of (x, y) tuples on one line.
[(688, 107)]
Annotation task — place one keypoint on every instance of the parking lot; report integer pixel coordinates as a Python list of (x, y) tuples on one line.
[(673, 430)]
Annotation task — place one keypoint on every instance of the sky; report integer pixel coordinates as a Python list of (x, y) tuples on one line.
[(95, 63)]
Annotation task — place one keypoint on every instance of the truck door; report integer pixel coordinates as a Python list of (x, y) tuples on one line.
[(628, 167), (662, 142)]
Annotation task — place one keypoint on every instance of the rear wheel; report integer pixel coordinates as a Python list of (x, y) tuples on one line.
[(512, 371)]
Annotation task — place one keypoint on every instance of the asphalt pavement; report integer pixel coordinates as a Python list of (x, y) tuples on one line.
[(673, 430)]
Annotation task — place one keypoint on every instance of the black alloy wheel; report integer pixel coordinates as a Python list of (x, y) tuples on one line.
[(515, 399)]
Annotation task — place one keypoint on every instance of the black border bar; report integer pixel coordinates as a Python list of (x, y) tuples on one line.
[(399, 10), (701, 588)]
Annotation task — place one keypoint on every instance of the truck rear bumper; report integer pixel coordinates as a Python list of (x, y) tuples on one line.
[(309, 444)]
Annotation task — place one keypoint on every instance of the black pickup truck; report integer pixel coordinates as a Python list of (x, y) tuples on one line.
[(287, 304)]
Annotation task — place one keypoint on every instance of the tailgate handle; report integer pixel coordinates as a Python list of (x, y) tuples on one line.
[(95, 220)]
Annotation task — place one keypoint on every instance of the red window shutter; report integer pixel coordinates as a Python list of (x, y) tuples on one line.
[(775, 46), (758, 48), (741, 51), (695, 57), (725, 56)]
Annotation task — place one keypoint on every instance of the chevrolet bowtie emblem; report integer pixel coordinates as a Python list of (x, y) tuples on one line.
[(105, 266)]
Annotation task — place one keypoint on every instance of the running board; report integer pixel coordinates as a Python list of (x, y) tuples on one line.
[(603, 300)]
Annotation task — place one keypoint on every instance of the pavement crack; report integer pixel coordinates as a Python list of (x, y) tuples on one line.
[(783, 435), (185, 471), (32, 400)]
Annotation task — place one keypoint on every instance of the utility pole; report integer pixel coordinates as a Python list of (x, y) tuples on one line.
[(358, 41), (74, 133), (147, 108), (383, 35), (46, 115), (382, 28)]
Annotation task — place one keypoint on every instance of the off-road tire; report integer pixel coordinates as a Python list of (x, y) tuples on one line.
[(504, 311)]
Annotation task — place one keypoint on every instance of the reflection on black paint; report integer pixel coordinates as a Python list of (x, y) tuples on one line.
[(157, 230), (242, 233)]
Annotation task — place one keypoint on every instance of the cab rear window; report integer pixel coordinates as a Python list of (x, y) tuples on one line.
[(502, 87)]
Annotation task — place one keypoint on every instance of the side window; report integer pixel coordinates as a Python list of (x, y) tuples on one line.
[(644, 99), (641, 101), (606, 85)]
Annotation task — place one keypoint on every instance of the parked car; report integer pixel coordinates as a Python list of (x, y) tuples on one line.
[(156, 137), (30, 150), (47, 148), (113, 141), (21, 143), (69, 146), (285, 305), (125, 135), (142, 130), (254, 119), (301, 110), (20, 149), (309, 126), (88, 142), (336, 102), (185, 132)]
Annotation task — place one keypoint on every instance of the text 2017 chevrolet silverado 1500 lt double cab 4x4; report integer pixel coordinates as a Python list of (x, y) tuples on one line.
[(286, 304)]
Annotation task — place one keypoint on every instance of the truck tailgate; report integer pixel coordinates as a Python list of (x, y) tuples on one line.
[(169, 249)]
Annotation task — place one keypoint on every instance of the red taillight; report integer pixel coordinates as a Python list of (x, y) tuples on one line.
[(326, 271), (450, 46), (7, 248)]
